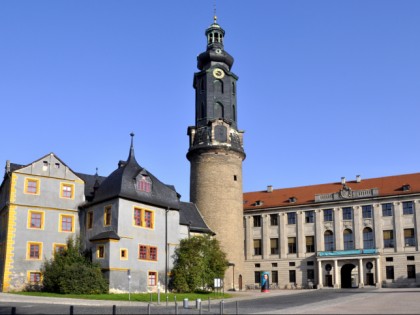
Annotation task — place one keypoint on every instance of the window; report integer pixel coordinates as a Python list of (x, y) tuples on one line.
[(274, 219), (292, 264), (310, 244), (409, 239), (274, 245), (34, 277), (257, 247), (410, 257), (310, 263), (389, 259), (257, 277), (291, 218), (143, 218), (408, 207), (273, 264), (36, 220), (89, 220), (411, 271), (309, 217), (387, 210), (389, 272), (152, 278), (348, 239), (274, 276), (107, 216), (147, 252), (257, 265), (257, 220), (310, 275), (66, 223), (329, 240), (347, 213), (368, 238), (367, 211), (292, 276), (34, 251), (59, 248), (123, 254), (291, 245), (100, 251), (67, 191), (388, 239), (328, 215), (144, 183), (31, 186)]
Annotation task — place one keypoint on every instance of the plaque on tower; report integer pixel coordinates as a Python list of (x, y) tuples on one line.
[(220, 133)]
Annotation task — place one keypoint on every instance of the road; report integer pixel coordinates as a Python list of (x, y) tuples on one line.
[(326, 301)]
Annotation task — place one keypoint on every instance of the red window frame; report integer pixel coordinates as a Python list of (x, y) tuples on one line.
[(66, 223), (152, 253), (142, 252), (148, 216), (137, 217), (34, 277), (31, 186), (34, 251), (36, 220), (67, 191), (152, 278)]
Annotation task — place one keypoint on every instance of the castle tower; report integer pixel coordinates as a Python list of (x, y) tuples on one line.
[(216, 152)]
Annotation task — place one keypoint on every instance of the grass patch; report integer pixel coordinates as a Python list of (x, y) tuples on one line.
[(138, 297)]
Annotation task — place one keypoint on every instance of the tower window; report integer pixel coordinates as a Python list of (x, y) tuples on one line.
[(235, 178)]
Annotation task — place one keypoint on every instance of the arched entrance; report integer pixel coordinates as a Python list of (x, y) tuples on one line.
[(240, 282), (346, 275)]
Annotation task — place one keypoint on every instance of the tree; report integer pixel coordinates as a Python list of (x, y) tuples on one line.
[(197, 261), (71, 271)]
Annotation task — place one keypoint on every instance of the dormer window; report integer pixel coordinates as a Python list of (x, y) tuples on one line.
[(144, 183), (406, 187)]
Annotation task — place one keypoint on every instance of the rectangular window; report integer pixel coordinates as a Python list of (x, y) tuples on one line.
[(257, 220), (388, 239), (291, 245), (147, 252), (152, 278), (389, 259), (274, 245), (292, 264), (100, 251), (59, 248), (142, 252), (257, 277), (411, 271), (257, 247), (274, 219), (292, 276), (67, 191), (291, 218), (310, 275), (347, 213), (408, 207), (34, 277), (274, 276), (152, 253), (89, 220), (31, 186), (66, 223), (309, 217), (107, 216), (328, 215), (367, 211), (36, 220), (34, 251), (143, 218), (409, 238), (389, 272), (310, 244), (410, 257), (387, 210), (123, 254)]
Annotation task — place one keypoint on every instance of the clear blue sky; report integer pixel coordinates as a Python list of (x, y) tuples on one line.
[(326, 88)]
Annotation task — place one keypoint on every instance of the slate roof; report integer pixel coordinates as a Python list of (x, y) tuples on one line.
[(387, 186), (105, 236), (190, 215), (121, 184)]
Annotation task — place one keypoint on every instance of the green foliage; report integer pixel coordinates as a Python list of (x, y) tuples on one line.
[(197, 261), (72, 272)]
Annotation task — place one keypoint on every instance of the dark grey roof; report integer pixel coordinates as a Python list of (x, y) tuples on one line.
[(105, 236), (91, 181), (190, 215), (121, 184)]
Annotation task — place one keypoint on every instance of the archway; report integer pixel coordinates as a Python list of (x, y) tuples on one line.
[(346, 275)]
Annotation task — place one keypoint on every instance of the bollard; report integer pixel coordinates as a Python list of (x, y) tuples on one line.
[(148, 309), (114, 309), (176, 308), (151, 298), (199, 307), (198, 303), (185, 305), (71, 309), (221, 307), (167, 301), (209, 305), (13, 310), (237, 308)]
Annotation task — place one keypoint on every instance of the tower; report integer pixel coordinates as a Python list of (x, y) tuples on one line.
[(216, 152)]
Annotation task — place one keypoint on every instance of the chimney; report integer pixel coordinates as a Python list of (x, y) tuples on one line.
[(7, 166), (269, 188), (358, 179), (343, 180)]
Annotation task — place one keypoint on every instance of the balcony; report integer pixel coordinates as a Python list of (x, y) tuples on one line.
[(350, 252)]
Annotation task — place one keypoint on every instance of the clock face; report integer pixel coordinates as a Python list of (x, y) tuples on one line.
[(218, 73)]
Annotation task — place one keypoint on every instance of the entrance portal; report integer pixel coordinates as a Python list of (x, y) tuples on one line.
[(346, 275)]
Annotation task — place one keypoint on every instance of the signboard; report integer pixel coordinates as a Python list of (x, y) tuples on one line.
[(218, 283)]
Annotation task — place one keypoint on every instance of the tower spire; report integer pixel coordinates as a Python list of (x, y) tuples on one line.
[(131, 155)]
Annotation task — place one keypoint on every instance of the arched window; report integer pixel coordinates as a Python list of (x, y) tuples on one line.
[(368, 238), (219, 111), (328, 241), (143, 183), (218, 87), (233, 88), (234, 112), (348, 239)]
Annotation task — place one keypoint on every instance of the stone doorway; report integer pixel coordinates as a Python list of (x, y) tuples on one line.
[(346, 280)]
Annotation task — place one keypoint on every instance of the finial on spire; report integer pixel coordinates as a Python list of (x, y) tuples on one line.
[(96, 174), (131, 155), (132, 138), (214, 14)]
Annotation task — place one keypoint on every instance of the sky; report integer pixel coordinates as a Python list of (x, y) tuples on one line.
[(327, 89)]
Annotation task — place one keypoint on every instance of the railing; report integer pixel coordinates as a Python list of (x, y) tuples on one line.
[(348, 252)]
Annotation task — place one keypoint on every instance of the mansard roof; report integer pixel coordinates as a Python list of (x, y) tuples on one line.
[(400, 185), (190, 215)]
